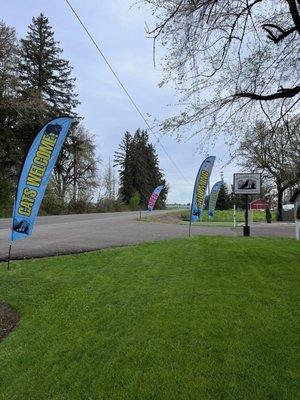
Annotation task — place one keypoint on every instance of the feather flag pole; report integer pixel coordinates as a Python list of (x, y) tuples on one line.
[(34, 177)]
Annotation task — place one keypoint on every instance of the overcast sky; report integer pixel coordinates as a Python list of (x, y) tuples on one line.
[(120, 32)]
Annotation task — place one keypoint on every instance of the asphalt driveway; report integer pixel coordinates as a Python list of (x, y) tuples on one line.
[(65, 234)]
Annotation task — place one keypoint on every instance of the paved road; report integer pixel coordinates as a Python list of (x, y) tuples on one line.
[(76, 233)]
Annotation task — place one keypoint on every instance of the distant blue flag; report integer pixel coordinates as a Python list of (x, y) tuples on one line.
[(154, 197), (35, 175), (214, 197), (200, 188)]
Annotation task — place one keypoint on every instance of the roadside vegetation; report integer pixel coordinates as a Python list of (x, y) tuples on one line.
[(205, 318), (221, 217)]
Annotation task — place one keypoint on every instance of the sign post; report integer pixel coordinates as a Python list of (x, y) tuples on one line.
[(234, 216), (246, 228), (246, 184)]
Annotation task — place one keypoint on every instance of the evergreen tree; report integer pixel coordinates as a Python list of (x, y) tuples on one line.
[(9, 111), (43, 72), (223, 201), (47, 88), (35, 86), (139, 169), (124, 159), (238, 200)]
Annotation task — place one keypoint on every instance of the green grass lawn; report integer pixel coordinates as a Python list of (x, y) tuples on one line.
[(220, 218), (200, 318), (226, 216)]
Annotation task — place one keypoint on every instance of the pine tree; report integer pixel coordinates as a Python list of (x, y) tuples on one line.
[(223, 201), (123, 158), (9, 111), (47, 88), (35, 86), (44, 73), (238, 200), (139, 169)]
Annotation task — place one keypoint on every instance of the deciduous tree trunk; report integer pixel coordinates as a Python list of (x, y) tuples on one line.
[(280, 191)]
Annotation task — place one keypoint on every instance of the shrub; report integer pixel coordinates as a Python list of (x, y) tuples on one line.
[(298, 213), (185, 215), (52, 205), (80, 206), (109, 205), (268, 215), (134, 201)]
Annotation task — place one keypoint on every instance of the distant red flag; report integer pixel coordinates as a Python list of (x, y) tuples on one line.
[(154, 197)]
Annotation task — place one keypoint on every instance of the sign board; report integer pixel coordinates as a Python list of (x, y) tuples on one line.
[(246, 183)]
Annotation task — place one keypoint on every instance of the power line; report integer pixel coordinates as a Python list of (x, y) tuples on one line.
[(124, 88)]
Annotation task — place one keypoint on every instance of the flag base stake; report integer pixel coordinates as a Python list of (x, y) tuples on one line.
[(8, 260)]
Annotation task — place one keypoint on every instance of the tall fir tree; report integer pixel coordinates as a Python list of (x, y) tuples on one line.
[(49, 91), (42, 70), (224, 200), (139, 169), (35, 86), (46, 83), (9, 111), (124, 160)]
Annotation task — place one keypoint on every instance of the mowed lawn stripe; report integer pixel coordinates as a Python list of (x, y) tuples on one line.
[(203, 318)]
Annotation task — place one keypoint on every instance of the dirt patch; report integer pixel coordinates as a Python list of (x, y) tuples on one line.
[(8, 320), (168, 218)]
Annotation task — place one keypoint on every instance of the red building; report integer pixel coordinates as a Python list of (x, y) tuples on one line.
[(258, 204)]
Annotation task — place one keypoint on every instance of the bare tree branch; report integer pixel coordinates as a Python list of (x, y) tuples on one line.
[(282, 93), (283, 33)]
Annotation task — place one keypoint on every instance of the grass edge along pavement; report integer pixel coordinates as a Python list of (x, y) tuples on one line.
[(200, 318), (221, 217)]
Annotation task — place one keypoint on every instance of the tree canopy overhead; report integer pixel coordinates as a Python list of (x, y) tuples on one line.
[(231, 60)]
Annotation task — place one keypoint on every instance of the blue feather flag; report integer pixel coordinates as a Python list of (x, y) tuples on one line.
[(35, 175)]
